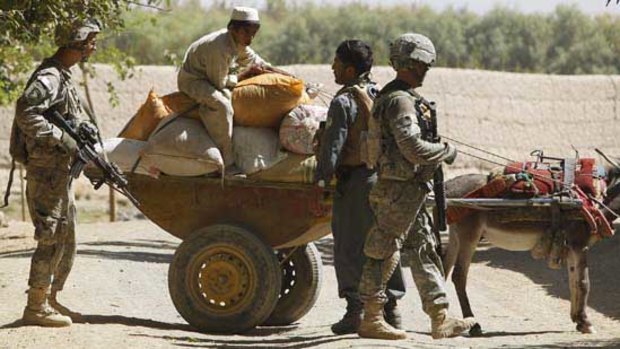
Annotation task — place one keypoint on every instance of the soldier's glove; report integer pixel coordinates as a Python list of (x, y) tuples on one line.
[(450, 153), (68, 144)]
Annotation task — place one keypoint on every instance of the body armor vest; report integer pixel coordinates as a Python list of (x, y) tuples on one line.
[(353, 151)]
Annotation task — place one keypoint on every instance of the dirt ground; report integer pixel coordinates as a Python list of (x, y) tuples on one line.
[(119, 284)]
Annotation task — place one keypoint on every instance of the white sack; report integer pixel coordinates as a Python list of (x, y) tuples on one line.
[(182, 147), (256, 148), (299, 127)]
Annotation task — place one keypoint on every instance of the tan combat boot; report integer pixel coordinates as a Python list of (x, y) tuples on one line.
[(443, 326), (374, 326), (53, 302), (38, 311)]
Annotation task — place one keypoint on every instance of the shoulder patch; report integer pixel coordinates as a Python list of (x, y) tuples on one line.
[(39, 90), (36, 93)]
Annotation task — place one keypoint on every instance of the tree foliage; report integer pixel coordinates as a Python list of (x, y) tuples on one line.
[(565, 41), (27, 27)]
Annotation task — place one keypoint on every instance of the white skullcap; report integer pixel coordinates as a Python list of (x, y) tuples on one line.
[(244, 14)]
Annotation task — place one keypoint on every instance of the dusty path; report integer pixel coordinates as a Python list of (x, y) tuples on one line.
[(119, 285)]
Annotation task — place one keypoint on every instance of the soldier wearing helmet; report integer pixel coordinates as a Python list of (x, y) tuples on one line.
[(406, 163), (47, 152)]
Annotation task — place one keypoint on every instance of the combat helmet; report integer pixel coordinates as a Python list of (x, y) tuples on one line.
[(411, 47), (74, 34)]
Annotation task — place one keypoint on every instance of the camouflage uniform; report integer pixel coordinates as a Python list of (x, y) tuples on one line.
[(48, 152), (50, 198), (407, 163), (352, 215), (407, 167)]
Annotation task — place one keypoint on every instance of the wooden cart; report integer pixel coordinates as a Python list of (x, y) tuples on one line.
[(247, 256)]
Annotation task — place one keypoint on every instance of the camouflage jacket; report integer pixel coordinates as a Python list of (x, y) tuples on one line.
[(405, 154), (49, 88)]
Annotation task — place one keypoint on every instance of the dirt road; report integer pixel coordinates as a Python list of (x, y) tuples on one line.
[(119, 285)]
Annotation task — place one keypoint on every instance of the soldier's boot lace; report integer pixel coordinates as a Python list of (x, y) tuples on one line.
[(374, 326), (351, 320), (53, 302), (444, 326), (392, 315), (39, 312)]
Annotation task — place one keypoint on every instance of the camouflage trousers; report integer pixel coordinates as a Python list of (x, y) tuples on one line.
[(52, 209), (352, 217), (215, 110), (402, 222)]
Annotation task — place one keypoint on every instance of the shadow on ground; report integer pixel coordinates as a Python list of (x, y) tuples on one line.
[(117, 320)]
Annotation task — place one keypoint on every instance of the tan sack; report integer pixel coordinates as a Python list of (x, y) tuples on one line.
[(294, 168), (124, 153), (179, 102), (256, 148), (299, 127), (142, 124), (263, 100), (182, 147)]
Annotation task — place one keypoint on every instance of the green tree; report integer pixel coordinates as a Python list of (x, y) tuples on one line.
[(26, 27)]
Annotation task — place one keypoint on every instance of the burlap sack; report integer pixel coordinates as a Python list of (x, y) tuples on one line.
[(179, 102), (124, 153), (256, 149), (294, 168), (299, 127), (182, 147), (142, 124), (263, 100)]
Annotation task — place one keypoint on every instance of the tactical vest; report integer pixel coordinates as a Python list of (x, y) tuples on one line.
[(354, 151), (393, 165)]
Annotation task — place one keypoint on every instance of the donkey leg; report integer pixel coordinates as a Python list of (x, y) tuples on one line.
[(579, 284), (468, 237)]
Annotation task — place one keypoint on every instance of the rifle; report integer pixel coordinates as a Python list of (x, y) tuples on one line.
[(439, 188), (85, 136)]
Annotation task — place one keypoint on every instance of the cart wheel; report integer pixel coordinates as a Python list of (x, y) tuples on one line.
[(302, 275), (223, 279)]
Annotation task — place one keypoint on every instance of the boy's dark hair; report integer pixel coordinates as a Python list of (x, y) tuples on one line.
[(357, 54), (234, 24)]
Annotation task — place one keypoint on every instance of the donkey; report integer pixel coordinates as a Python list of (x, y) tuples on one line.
[(521, 236)]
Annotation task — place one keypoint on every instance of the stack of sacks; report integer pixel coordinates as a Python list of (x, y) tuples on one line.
[(269, 114)]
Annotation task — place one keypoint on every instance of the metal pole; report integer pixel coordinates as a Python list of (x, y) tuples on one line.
[(112, 205)]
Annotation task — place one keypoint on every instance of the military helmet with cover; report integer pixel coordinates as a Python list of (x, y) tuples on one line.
[(411, 47), (74, 34)]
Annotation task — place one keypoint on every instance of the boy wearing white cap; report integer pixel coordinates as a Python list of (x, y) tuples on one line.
[(210, 71)]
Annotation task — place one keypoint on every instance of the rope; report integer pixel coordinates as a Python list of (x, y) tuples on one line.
[(476, 148)]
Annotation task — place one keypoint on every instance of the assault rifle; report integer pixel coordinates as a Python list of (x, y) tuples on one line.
[(85, 136), (439, 188)]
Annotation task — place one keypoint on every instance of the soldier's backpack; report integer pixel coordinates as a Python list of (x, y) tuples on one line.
[(17, 145)]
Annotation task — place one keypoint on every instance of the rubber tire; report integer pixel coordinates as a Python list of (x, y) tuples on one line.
[(263, 272), (301, 297)]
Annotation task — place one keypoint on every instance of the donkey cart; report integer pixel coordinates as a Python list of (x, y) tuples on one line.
[(247, 256)]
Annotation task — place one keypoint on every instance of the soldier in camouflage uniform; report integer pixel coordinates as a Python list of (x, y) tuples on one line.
[(406, 166), (340, 155), (50, 153)]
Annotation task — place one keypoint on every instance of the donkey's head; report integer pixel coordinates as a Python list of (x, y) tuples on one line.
[(612, 199)]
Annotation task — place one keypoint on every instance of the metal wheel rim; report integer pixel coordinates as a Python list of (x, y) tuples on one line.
[(221, 278)]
